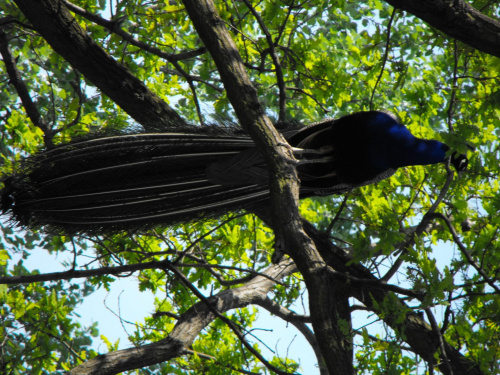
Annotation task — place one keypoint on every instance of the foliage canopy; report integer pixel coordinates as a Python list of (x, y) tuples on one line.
[(418, 252)]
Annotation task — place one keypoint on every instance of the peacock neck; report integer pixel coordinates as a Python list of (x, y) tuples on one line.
[(394, 146), (418, 152)]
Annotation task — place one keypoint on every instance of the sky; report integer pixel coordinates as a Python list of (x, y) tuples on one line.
[(126, 301)]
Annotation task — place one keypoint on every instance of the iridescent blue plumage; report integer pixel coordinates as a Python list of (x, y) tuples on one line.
[(394, 146)]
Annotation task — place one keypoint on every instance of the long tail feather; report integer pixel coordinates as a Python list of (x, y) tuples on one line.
[(127, 182)]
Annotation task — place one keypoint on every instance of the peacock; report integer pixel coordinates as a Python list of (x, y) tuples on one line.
[(143, 180)]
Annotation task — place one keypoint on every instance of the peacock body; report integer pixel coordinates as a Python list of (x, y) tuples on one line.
[(143, 180)]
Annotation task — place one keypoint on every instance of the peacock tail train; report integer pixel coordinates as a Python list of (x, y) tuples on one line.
[(129, 181)]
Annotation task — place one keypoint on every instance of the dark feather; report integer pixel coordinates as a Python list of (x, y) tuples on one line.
[(137, 181)]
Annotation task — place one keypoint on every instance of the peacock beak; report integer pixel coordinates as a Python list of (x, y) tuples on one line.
[(459, 161)]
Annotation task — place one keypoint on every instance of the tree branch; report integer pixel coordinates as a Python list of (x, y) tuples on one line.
[(457, 19), (214, 359), (465, 252), (299, 322), (436, 330), (384, 58), (22, 90), (187, 328), (55, 23), (422, 226), (276, 62), (327, 306), (233, 326), (114, 27), (75, 274)]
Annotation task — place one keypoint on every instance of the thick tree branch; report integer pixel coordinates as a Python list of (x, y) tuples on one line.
[(187, 328), (329, 307), (57, 26), (457, 19)]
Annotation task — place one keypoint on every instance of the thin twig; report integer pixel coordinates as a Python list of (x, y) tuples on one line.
[(422, 225), (453, 98), (227, 321), (73, 274), (213, 359), (465, 252), (337, 215), (377, 284), (299, 322), (192, 88), (276, 61), (436, 330), (16, 80), (323, 108), (114, 27), (384, 59)]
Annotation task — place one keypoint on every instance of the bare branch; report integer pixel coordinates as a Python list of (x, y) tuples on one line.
[(186, 329), (54, 22)]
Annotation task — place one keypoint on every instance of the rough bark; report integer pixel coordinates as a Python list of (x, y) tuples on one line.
[(457, 19), (327, 305), (57, 26)]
